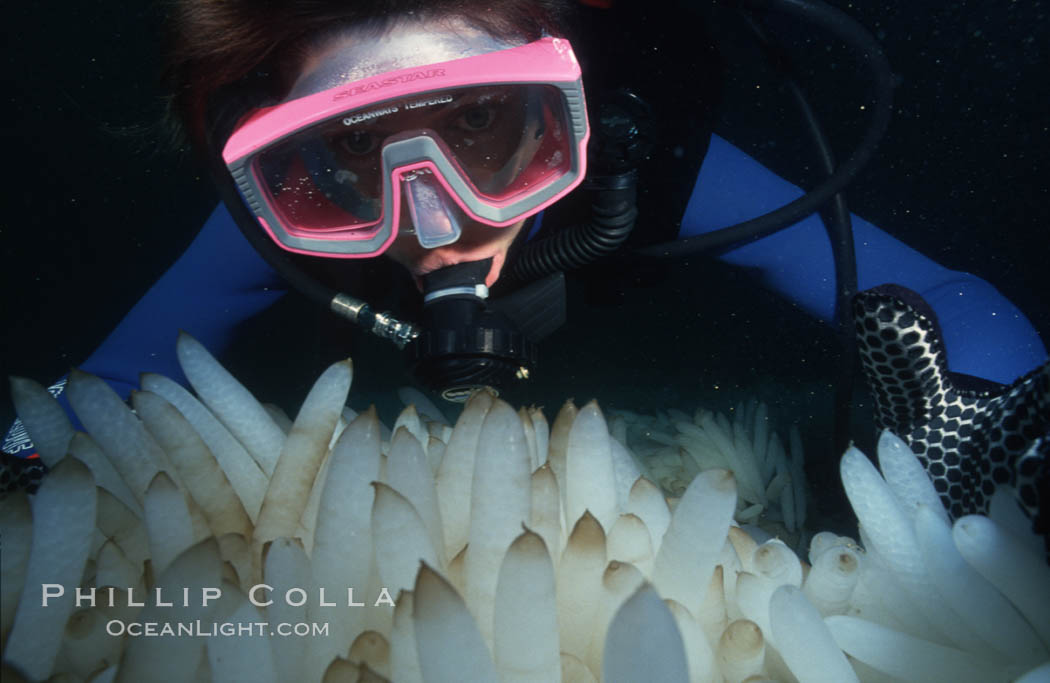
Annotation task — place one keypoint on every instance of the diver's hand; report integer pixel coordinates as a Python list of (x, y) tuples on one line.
[(971, 435)]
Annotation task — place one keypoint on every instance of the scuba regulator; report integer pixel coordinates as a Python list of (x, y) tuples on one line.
[(468, 341)]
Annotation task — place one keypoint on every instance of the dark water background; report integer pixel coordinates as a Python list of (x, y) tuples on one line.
[(96, 207)]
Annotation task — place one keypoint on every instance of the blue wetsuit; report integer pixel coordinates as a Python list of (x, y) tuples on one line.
[(220, 281), (984, 334)]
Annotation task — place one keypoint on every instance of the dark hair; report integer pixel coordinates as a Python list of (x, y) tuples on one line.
[(217, 43)]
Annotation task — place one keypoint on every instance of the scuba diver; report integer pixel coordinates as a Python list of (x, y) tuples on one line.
[(443, 135)]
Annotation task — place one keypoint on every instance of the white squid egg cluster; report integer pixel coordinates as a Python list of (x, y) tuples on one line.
[(500, 549), (673, 447)]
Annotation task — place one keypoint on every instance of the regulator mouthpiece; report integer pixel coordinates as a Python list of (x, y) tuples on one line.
[(465, 345)]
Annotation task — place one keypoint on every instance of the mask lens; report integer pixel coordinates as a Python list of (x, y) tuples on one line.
[(510, 141), (312, 188)]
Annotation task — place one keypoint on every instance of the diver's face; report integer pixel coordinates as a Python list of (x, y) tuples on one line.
[(355, 54)]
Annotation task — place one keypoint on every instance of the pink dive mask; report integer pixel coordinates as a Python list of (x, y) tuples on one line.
[(491, 138)]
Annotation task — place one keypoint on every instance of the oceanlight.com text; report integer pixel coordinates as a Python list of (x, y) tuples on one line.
[(199, 629)]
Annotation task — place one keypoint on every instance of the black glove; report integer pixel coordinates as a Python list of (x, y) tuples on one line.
[(970, 434)]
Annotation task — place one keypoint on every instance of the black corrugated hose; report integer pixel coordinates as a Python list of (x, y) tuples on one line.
[(612, 217)]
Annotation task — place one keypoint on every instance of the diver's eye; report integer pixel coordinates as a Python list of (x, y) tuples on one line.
[(359, 142), (477, 118)]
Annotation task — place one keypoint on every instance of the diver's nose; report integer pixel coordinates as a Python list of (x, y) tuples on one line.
[(436, 217)]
